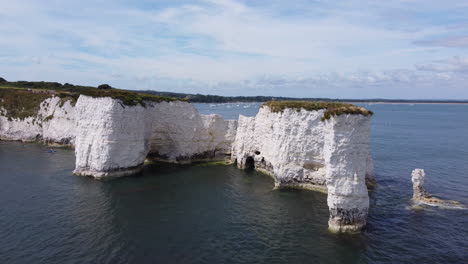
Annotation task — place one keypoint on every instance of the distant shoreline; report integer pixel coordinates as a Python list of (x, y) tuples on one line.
[(351, 102), (460, 103), (50, 87)]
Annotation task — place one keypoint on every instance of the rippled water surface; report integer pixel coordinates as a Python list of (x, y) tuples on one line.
[(218, 214)]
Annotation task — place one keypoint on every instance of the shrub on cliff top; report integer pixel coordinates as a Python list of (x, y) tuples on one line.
[(2, 80), (332, 108), (104, 86)]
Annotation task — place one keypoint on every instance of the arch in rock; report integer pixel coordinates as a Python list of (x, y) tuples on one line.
[(249, 163)]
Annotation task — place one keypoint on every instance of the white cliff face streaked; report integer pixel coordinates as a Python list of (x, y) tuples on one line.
[(288, 145), (54, 124), (111, 139), (181, 134), (114, 139), (300, 150), (58, 121), (26, 130)]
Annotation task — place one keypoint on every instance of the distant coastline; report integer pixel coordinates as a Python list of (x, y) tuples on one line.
[(202, 98), (413, 102)]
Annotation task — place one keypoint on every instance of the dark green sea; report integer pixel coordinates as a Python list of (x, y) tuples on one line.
[(219, 214)]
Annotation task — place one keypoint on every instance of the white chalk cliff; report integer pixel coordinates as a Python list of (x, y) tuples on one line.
[(113, 139), (300, 150), (296, 147), (54, 124)]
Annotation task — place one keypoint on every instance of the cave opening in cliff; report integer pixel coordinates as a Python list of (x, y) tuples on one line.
[(249, 163)]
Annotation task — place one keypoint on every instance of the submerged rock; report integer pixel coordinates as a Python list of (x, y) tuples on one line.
[(420, 196)]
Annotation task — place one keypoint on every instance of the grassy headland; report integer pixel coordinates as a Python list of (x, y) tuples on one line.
[(20, 103), (332, 108), (22, 99)]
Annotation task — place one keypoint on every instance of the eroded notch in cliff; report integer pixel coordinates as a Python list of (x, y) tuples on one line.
[(249, 163)]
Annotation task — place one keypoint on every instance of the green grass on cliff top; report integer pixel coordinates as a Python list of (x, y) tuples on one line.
[(332, 108), (128, 97), (21, 103)]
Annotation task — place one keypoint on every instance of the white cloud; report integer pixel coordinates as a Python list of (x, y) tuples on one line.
[(333, 49)]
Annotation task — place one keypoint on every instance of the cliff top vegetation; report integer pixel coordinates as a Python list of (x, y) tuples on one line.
[(11, 92), (332, 108), (22, 99), (201, 98), (128, 97), (20, 103)]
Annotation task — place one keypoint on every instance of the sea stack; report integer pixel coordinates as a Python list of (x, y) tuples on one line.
[(313, 145), (420, 196), (417, 177)]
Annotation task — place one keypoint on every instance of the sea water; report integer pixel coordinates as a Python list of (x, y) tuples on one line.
[(219, 214)]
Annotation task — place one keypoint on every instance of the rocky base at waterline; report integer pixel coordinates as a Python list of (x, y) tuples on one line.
[(103, 175), (347, 220), (422, 197)]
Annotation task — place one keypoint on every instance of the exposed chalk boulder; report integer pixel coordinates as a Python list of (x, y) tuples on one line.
[(300, 148)]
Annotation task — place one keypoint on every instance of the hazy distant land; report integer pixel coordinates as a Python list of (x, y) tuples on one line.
[(201, 98)]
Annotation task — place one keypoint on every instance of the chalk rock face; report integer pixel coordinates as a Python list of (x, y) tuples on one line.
[(26, 130), (287, 145), (417, 177), (54, 124), (114, 139), (300, 150), (346, 154), (181, 134), (58, 121), (111, 139)]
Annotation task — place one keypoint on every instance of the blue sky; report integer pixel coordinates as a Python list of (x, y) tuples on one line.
[(338, 49)]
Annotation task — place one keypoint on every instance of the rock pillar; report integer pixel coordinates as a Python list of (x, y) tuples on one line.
[(417, 177), (346, 152)]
